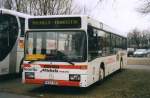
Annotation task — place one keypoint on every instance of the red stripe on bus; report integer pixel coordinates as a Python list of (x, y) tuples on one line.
[(26, 65), (83, 67), (68, 83), (64, 66), (35, 81), (59, 82)]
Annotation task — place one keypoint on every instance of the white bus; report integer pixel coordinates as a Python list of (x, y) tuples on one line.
[(71, 51), (12, 28)]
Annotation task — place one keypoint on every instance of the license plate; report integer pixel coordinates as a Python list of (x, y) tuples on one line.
[(51, 82)]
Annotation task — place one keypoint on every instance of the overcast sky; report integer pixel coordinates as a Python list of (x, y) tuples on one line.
[(121, 14)]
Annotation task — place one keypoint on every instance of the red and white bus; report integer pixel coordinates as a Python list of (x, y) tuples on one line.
[(12, 28), (71, 51)]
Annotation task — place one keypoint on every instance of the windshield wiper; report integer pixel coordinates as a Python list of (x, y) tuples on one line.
[(68, 61), (64, 57)]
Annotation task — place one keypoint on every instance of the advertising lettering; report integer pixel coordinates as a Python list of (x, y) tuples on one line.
[(53, 70)]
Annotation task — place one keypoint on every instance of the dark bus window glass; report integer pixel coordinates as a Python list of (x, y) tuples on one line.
[(107, 44), (22, 22), (113, 43), (92, 43), (124, 43), (8, 34)]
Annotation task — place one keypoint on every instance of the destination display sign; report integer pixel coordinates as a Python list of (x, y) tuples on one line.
[(54, 23)]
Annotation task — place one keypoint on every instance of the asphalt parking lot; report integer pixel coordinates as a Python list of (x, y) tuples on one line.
[(10, 95), (132, 82)]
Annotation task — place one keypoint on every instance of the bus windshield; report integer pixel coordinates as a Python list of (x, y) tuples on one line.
[(8, 34), (56, 46)]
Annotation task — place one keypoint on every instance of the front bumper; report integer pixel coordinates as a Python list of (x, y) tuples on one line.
[(52, 82)]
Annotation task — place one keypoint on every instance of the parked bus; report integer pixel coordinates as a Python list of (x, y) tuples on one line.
[(12, 28), (71, 51)]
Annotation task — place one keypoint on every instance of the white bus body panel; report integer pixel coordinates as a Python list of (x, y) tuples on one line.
[(11, 63)]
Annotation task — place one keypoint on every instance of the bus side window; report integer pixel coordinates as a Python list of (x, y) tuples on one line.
[(101, 43), (92, 43), (22, 23)]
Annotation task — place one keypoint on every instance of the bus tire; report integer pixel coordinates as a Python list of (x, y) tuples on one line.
[(101, 72), (20, 68), (101, 75), (121, 63)]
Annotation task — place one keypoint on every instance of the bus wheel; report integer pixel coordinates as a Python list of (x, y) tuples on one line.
[(20, 68), (121, 63), (101, 76)]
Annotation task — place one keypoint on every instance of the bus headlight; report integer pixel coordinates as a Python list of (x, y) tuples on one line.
[(29, 75), (74, 77)]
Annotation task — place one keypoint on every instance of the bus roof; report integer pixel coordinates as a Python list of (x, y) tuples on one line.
[(95, 23), (55, 16), (19, 14), (91, 21)]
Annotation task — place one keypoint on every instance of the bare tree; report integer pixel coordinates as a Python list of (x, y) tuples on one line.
[(2, 3), (145, 7), (50, 7), (21, 5), (139, 39), (18, 5), (134, 38), (8, 4), (46, 7), (146, 38)]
